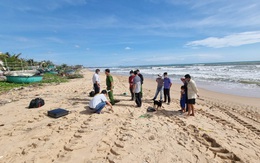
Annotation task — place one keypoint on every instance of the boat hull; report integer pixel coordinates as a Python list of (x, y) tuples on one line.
[(23, 79)]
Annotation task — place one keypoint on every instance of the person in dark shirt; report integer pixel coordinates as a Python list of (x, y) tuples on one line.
[(131, 84), (167, 86)]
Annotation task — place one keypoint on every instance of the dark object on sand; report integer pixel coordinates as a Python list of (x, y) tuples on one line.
[(56, 113), (150, 109), (91, 94), (36, 103)]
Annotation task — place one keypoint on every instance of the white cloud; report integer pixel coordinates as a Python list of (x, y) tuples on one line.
[(128, 48), (237, 39), (77, 46)]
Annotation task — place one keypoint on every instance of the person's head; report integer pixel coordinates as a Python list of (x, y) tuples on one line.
[(182, 79), (107, 71), (131, 72), (104, 92), (97, 71), (159, 75), (182, 87), (138, 71), (187, 77), (165, 74), (135, 72)]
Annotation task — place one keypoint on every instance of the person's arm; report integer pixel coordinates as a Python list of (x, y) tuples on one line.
[(109, 104), (170, 83)]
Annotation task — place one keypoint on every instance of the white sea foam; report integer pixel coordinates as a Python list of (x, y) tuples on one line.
[(234, 78)]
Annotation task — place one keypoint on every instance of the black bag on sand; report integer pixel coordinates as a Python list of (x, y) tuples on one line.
[(151, 110), (92, 94), (36, 103), (56, 113)]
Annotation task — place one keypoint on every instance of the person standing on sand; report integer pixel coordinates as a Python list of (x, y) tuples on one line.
[(137, 89), (183, 99), (167, 86), (99, 102), (110, 86), (186, 91), (96, 81), (142, 81), (159, 88), (131, 84), (192, 94)]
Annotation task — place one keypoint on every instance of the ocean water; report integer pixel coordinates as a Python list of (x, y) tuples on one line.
[(238, 78)]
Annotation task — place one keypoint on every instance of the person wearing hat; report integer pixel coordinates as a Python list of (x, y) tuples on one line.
[(159, 89), (131, 84), (192, 94), (167, 86)]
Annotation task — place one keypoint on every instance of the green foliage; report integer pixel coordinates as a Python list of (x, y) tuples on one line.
[(5, 86), (14, 62), (74, 76), (53, 78)]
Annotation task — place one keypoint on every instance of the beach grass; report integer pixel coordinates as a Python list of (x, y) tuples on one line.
[(5, 86)]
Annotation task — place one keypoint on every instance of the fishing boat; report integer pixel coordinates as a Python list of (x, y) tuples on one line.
[(23, 79)]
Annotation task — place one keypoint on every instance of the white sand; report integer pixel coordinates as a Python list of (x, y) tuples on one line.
[(226, 128)]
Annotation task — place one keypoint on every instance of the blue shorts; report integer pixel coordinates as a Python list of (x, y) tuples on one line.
[(182, 103)]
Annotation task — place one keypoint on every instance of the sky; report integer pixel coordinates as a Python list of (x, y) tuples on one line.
[(111, 33)]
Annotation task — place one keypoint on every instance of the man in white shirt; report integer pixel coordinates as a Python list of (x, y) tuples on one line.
[(96, 81), (99, 102)]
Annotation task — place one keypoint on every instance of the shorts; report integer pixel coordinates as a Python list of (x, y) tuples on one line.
[(191, 101)]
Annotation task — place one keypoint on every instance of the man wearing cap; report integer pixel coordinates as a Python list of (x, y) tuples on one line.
[(192, 94), (159, 89), (167, 86)]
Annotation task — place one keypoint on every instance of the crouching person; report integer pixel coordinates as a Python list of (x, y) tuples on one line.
[(98, 102)]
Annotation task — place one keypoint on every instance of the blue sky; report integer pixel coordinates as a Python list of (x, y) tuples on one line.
[(131, 32)]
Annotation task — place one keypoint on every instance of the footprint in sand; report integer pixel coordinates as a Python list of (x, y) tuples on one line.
[(219, 150)]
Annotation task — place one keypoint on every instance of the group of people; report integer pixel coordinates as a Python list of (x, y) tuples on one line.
[(136, 81), (163, 87), (188, 93), (99, 100)]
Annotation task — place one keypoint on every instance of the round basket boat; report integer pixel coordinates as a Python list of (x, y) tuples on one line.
[(23, 79)]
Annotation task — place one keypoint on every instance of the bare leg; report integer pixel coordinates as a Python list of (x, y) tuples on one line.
[(189, 109), (192, 110)]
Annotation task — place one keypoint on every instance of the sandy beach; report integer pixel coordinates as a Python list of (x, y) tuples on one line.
[(226, 128)]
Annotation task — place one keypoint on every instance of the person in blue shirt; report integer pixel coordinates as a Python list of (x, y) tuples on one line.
[(183, 99), (167, 86)]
